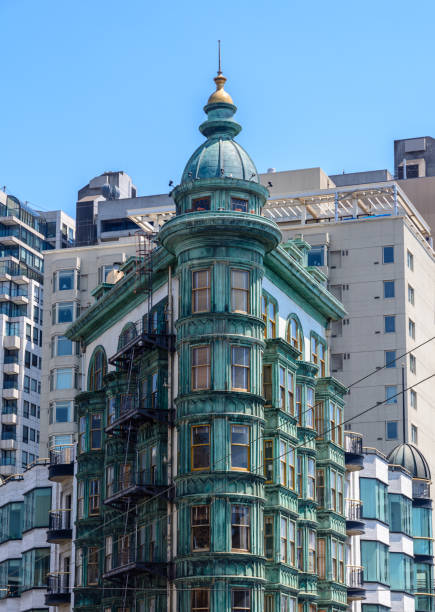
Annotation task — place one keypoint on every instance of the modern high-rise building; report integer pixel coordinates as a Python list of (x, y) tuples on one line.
[(24, 236)]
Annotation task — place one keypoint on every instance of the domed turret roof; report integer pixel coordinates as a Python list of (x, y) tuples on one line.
[(220, 155), (411, 458)]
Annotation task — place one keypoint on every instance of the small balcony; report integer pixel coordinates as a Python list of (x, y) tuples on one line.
[(131, 562), (131, 409), (353, 447), (8, 444), (131, 488), (12, 342), (10, 393), (421, 491), (11, 367), (61, 466), (59, 526), (355, 583), (58, 589), (353, 512), (9, 418)]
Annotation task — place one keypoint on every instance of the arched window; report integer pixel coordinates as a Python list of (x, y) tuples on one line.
[(294, 334), (129, 332), (97, 369)]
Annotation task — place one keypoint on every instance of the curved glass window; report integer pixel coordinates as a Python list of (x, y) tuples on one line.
[(401, 572), (400, 514), (375, 561), (97, 369), (374, 496)]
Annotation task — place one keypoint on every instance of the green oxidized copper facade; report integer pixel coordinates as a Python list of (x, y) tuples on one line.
[(255, 424)]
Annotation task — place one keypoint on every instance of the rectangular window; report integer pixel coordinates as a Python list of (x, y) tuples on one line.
[(240, 368), (63, 312), (410, 260), (309, 412), (391, 394), (110, 480), (240, 291), (267, 384), (387, 254), (320, 416), (282, 392), (412, 363), (411, 329), (389, 291), (411, 296), (321, 558), (63, 412), (311, 478), (80, 499), (240, 447), (201, 290), (290, 393), (268, 460), (311, 550), (65, 280), (92, 565), (200, 600), (25, 434), (389, 324), (200, 525), (200, 368), (414, 434), (96, 431), (240, 528), (200, 204), (200, 451), (413, 398), (268, 537), (268, 310), (79, 566), (82, 435), (390, 359), (287, 541), (239, 205), (240, 601), (63, 378), (94, 496), (299, 404), (320, 487)]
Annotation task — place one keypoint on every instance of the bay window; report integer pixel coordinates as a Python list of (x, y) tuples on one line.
[(240, 528), (200, 527), (240, 291), (200, 368), (200, 447), (240, 435), (201, 290), (240, 368)]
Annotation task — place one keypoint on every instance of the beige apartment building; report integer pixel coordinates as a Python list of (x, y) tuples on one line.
[(375, 250), (71, 276)]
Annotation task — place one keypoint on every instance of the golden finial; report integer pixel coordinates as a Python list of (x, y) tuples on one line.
[(220, 95)]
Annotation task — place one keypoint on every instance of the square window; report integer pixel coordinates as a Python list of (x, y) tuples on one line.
[(391, 394), (390, 359), (414, 434), (392, 430), (389, 324), (389, 291), (388, 254), (65, 280), (201, 204), (316, 256)]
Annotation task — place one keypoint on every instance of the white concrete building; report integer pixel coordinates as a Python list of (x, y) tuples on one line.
[(25, 501)]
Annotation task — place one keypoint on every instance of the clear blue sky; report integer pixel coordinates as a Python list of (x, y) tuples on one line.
[(95, 85)]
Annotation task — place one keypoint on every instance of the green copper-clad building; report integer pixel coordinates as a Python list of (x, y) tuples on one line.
[(211, 468)]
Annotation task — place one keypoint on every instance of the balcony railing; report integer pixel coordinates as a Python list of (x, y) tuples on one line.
[(354, 577), (59, 519), (137, 485), (134, 560), (420, 489), (353, 443), (353, 510), (131, 407), (62, 454), (59, 583)]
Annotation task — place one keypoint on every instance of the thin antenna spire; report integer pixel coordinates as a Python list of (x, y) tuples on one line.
[(219, 55)]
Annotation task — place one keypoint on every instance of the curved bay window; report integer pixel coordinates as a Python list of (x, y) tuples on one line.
[(240, 368), (200, 447), (294, 334), (97, 369), (201, 290), (240, 528), (240, 435)]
